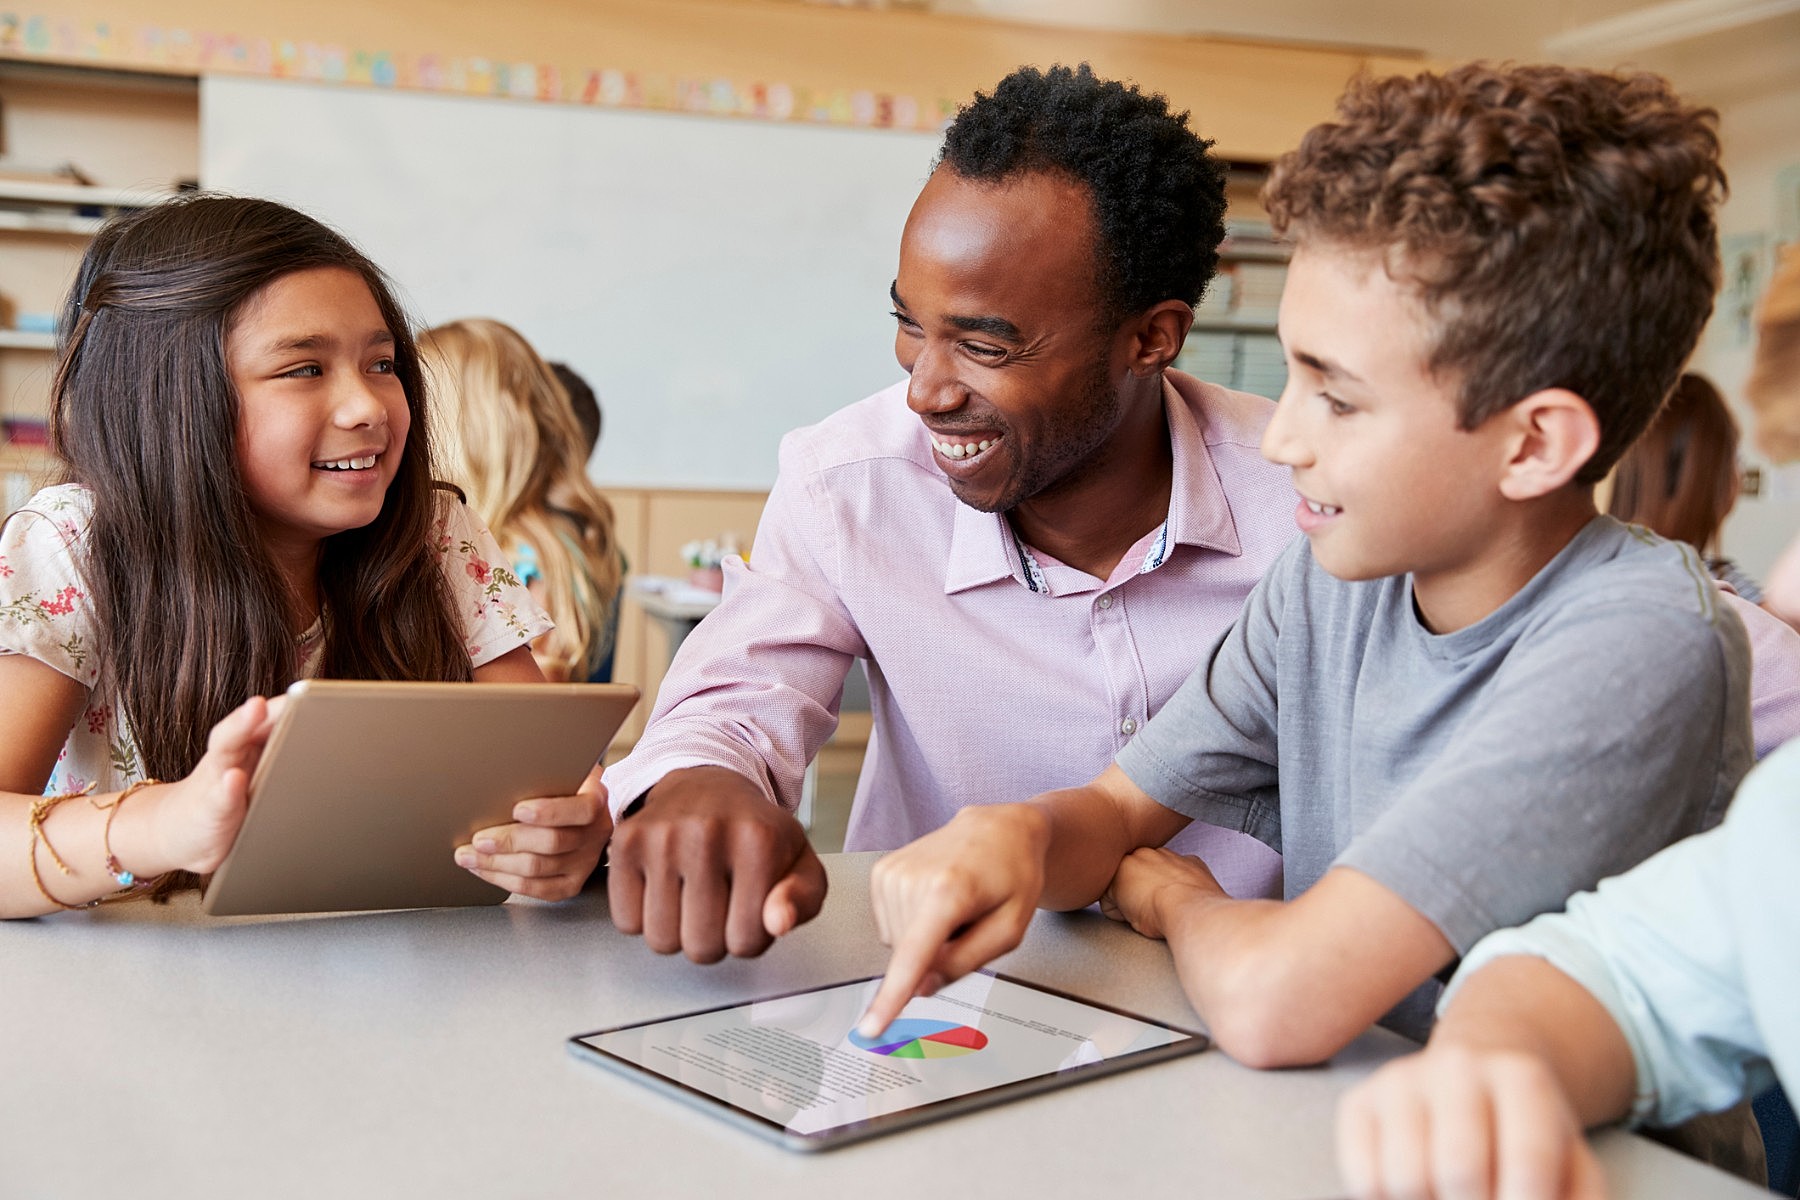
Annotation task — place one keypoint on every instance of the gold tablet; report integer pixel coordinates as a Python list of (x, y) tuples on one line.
[(366, 789)]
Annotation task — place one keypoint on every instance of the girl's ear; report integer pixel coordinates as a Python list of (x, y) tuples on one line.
[(1553, 435), (1157, 336)]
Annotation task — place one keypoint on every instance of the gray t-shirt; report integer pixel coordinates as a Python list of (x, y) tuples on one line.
[(1484, 776)]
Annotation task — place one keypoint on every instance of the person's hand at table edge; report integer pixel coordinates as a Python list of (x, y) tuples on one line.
[(709, 867)]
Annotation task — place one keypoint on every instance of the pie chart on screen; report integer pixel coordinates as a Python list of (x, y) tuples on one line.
[(914, 1038)]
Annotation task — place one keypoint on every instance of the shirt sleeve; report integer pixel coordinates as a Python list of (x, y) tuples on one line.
[(498, 615), (1679, 950), (757, 684), (1774, 674), (45, 610), (1210, 752), (1606, 735)]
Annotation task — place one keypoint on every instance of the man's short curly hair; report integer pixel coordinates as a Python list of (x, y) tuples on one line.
[(1158, 196), (1558, 224)]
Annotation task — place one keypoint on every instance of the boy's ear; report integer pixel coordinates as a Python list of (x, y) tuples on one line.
[(1553, 434), (1157, 335)]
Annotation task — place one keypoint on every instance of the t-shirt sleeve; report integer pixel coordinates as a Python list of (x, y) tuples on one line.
[(1210, 752), (498, 614), (1678, 950), (1605, 736), (45, 610)]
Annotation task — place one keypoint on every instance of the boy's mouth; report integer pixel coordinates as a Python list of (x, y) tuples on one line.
[(1321, 510)]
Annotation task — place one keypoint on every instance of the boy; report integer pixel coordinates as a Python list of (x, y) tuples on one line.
[(1464, 695)]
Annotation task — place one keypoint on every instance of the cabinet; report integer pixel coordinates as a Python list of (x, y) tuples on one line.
[(133, 137)]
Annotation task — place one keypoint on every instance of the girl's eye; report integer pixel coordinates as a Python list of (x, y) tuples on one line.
[(384, 366), (309, 371)]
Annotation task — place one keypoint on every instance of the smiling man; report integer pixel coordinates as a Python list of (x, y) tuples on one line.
[(1031, 541)]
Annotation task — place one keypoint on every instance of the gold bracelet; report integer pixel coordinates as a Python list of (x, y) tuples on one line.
[(41, 808), (125, 879)]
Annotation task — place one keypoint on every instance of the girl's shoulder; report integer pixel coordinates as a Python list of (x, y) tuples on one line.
[(49, 525)]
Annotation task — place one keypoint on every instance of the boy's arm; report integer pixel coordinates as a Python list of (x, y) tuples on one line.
[(963, 895), (1280, 983), (1523, 1059)]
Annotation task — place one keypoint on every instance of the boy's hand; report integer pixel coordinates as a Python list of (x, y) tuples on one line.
[(1152, 883), (196, 820), (1460, 1123), (954, 900), (710, 866), (551, 848)]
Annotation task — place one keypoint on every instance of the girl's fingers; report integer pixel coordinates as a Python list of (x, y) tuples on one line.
[(531, 839), (583, 808), (552, 887)]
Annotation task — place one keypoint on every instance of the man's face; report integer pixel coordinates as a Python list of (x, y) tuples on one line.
[(1389, 482), (999, 328)]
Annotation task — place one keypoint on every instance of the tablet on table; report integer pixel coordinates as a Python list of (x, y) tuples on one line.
[(792, 1068), (366, 789)]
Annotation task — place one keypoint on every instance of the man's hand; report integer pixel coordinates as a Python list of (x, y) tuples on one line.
[(953, 900), (711, 867), (1152, 883), (551, 848), (1465, 1123)]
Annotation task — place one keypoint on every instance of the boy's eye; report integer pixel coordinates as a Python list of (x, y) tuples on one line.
[(1338, 407)]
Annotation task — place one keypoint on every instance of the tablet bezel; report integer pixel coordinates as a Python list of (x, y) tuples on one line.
[(531, 739), (875, 1126)]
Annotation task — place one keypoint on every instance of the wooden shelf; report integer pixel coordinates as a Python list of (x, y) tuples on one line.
[(40, 221), (24, 191), (1231, 323), (24, 339)]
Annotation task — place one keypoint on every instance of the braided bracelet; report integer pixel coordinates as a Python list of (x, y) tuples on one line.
[(121, 876), (41, 808)]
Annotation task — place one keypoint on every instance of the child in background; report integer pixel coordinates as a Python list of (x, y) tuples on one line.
[(247, 499), (1464, 695), (1669, 991), (511, 440), (1681, 479)]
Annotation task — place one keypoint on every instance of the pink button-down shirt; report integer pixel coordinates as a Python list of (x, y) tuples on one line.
[(982, 689)]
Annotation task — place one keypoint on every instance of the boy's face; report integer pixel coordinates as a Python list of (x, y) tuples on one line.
[(1389, 483)]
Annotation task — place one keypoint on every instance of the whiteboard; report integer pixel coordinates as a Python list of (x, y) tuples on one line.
[(718, 281)]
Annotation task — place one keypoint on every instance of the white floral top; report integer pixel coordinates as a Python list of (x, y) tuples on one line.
[(45, 614)]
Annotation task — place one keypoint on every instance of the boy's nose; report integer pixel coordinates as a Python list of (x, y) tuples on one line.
[(1282, 441)]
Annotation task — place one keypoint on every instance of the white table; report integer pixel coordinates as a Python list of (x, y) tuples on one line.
[(154, 1052)]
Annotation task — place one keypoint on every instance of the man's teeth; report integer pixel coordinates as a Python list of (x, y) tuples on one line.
[(1323, 510), (962, 449), (348, 464)]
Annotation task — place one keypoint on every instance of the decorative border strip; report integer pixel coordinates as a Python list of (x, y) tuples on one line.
[(182, 50)]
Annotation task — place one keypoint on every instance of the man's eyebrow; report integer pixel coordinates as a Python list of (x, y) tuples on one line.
[(998, 327), (894, 294), (1324, 366)]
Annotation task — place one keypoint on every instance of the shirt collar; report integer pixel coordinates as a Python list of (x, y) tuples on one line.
[(983, 550)]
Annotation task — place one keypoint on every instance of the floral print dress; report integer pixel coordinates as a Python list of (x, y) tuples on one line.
[(46, 614)]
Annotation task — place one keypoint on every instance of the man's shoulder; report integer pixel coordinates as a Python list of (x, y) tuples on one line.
[(877, 428)]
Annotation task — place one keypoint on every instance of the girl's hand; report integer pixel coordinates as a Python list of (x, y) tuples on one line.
[(1465, 1123), (1151, 883), (197, 818), (550, 850)]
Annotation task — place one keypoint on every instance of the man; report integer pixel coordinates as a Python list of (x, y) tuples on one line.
[(1031, 541)]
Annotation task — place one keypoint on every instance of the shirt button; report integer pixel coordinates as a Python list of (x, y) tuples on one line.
[(1128, 727), (1105, 602)]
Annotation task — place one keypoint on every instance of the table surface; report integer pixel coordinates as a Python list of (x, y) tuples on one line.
[(157, 1052)]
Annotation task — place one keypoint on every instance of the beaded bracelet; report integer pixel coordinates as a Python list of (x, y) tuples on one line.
[(124, 878)]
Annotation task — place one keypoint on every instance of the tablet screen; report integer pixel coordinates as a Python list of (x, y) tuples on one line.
[(797, 1069)]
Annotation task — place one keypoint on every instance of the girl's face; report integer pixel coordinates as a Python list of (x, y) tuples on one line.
[(322, 418)]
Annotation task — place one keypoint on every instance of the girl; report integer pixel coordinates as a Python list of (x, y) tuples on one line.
[(246, 499), (512, 441)]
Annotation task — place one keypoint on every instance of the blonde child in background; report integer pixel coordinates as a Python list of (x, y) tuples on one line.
[(246, 499), (512, 441)]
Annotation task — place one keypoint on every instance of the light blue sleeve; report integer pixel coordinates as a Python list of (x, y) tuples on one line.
[(1689, 952)]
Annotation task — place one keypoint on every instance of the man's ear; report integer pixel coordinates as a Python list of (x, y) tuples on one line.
[(1157, 335), (1553, 434)]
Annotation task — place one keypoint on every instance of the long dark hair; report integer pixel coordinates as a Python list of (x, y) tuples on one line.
[(192, 614), (1680, 478)]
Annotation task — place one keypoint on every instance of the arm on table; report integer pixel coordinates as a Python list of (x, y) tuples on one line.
[(1523, 1059), (963, 895), (1280, 983)]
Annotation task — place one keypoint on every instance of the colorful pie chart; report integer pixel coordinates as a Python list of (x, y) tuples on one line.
[(913, 1038)]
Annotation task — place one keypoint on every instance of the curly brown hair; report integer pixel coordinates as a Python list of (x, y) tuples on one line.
[(1557, 223)]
